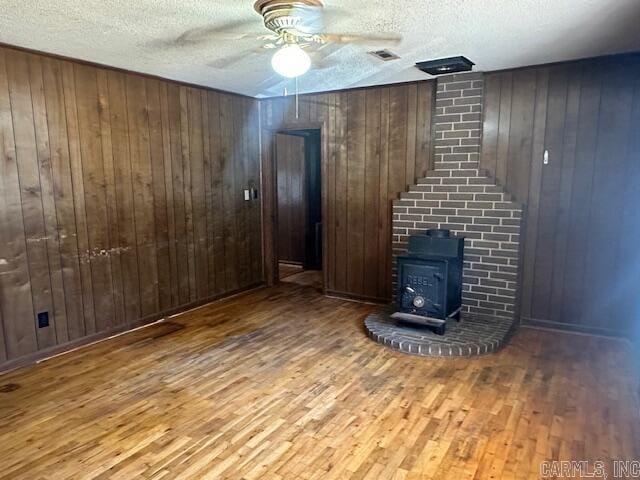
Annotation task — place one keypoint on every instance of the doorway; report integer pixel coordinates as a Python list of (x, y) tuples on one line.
[(299, 206)]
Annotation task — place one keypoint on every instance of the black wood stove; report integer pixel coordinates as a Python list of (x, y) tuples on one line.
[(430, 280)]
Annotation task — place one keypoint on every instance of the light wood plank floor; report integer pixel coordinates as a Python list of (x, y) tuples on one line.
[(286, 270), (283, 384), (309, 278)]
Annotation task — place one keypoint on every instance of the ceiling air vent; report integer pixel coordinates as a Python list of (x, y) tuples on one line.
[(384, 55), (446, 65)]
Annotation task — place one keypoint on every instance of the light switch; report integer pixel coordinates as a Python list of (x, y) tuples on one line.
[(247, 195)]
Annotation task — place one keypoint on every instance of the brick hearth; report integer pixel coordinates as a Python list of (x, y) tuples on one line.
[(473, 336), (459, 196)]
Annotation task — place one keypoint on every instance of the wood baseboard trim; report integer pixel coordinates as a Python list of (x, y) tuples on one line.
[(570, 328), (353, 297), (57, 350)]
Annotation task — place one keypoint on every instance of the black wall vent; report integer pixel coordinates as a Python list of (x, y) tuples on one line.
[(445, 66), (384, 55)]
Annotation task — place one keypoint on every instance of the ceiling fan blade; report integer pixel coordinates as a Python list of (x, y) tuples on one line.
[(229, 61), (321, 57), (361, 39), (314, 20), (247, 28)]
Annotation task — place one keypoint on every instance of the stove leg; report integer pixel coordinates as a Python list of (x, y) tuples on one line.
[(440, 329)]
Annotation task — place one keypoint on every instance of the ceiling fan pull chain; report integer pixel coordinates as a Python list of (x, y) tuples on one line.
[(297, 100)]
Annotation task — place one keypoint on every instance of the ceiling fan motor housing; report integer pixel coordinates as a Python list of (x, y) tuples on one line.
[(284, 17)]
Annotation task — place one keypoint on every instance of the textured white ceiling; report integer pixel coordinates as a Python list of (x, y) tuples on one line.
[(495, 34)]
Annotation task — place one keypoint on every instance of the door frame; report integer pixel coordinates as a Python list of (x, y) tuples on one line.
[(270, 197)]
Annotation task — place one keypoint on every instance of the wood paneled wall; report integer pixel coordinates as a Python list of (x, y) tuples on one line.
[(581, 259), (375, 142), (120, 199), (292, 198)]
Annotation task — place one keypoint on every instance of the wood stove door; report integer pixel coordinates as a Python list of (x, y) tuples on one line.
[(422, 285)]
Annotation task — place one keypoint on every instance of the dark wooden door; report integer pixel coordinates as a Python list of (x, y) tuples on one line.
[(292, 205)]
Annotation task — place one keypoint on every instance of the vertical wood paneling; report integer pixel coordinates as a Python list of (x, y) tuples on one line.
[(385, 209), (88, 327), (504, 128), (63, 193), (601, 290), (126, 241), (228, 191), (412, 108), (240, 211), (577, 255), (209, 206), (533, 194), (329, 185), (356, 126), (15, 295), (491, 109), (112, 196), (59, 333), (252, 109), (375, 142), (143, 207), (179, 193), (423, 132), (550, 190), (198, 205), (217, 214), (519, 147), (341, 253), (169, 195), (628, 255), (188, 190), (563, 201), (30, 191), (269, 200), (156, 144), (372, 159), (582, 184), (94, 194)]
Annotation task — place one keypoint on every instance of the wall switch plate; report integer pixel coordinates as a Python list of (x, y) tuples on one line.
[(247, 195), (43, 319)]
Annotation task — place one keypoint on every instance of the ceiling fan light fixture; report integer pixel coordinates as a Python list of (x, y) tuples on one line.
[(291, 61)]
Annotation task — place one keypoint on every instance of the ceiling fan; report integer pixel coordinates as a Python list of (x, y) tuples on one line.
[(297, 28)]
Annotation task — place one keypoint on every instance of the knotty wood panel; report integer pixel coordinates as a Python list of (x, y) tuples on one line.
[(375, 143), (118, 197), (580, 250), (292, 205)]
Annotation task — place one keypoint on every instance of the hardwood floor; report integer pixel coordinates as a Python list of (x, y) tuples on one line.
[(309, 278), (282, 383), (286, 269)]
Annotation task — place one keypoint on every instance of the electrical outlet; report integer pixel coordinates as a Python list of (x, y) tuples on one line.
[(43, 319)]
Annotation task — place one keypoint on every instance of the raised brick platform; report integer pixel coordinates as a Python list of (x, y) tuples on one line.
[(469, 337)]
